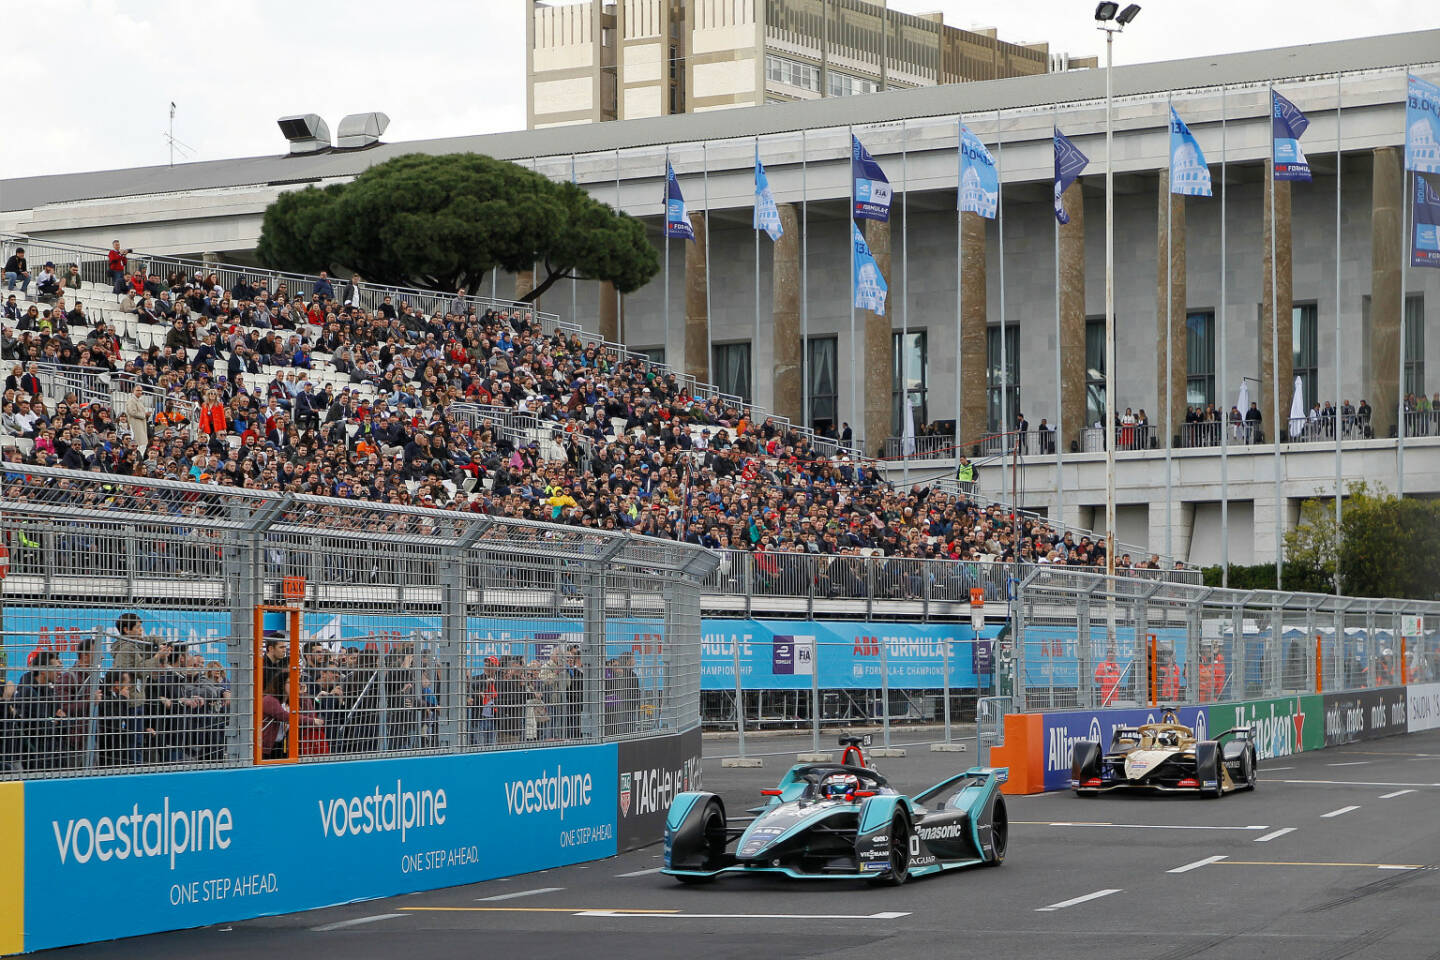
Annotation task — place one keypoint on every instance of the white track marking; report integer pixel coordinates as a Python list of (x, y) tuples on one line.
[(1396, 793), (1358, 783), (519, 893), (1136, 826), (1349, 763), (1336, 813), (1270, 769), (1274, 834), (639, 873), (1070, 903), (1196, 865), (622, 915), (325, 928)]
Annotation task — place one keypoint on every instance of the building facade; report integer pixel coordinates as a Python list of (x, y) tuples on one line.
[(626, 59)]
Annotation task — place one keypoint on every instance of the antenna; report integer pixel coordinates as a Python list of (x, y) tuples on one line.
[(185, 148)]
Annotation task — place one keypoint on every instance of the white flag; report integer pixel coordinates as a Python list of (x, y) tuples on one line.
[(907, 441), (1297, 409)]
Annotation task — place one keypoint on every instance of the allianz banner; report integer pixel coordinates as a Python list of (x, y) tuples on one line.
[(652, 772), (1424, 706), (117, 856), (796, 654), (1064, 730), (1364, 715)]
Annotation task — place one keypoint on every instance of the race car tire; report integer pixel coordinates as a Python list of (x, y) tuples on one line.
[(1247, 769), (712, 827), (1208, 768), (899, 870), (1085, 765), (999, 831)]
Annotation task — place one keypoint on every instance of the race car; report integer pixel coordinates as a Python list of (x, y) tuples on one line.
[(841, 821), (1165, 757)]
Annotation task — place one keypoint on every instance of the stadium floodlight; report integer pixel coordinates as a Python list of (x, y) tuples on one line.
[(1130, 12), (307, 133), (1106, 11), (360, 130)]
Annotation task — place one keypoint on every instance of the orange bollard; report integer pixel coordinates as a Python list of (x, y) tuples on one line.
[(1319, 665), (1404, 664)]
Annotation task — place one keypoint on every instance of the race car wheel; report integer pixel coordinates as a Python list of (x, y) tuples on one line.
[(899, 870), (999, 832), (712, 828), (1247, 769)]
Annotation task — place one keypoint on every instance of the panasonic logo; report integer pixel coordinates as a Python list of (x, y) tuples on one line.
[(398, 809), (163, 833), (953, 830), (546, 793)]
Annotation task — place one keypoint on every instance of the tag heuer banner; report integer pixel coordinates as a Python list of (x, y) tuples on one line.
[(871, 186), (1288, 125)]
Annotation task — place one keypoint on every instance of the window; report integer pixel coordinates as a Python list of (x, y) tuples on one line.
[(824, 393), (1003, 406), (1305, 347), (1415, 345), (792, 73), (844, 85), (730, 366), (1094, 370), (912, 352), (674, 62), (1199, 358), (653, 354)]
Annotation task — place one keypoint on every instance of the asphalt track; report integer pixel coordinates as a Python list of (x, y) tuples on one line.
[(1337, 854)]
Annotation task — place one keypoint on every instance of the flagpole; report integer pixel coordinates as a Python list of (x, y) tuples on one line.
[(666, 235), (1004, 367), (1338, 420), (850, 244), (1407, 210), (1059, 430), (805, 285), (574, 283), (959, 280), (619, 316), (710, 320), (1275, 354), (1109, 342), (755, 353), (1225, 431), (1169, 332), (904, 302)]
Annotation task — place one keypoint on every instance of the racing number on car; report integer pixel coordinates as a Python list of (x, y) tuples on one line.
[(914, 845)]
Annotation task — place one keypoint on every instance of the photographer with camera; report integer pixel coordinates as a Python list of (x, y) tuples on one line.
[(119, 264)]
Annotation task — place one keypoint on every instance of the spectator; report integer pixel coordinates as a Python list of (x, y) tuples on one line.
[(17, 270), (47, 285), (137, 416), (40, 711), (323, 288), (119, 265), (1254, 421)]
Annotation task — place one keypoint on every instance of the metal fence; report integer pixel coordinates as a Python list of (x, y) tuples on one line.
[(1083, 642), (164, 625)]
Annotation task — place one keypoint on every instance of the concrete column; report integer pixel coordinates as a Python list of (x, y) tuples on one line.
[(1382, 383), (785, 315), (1072, 319), (524, 283), (972, 331), (697, 320), (609, 312), (1285, 380), (878, 359), (1167, 422)]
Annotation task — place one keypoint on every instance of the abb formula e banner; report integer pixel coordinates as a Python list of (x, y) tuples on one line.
[(108, 857)]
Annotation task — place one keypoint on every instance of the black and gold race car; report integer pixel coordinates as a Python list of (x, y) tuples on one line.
[(1165, 757)]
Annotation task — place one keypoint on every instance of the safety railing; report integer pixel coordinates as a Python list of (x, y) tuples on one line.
[(1422, 423), (166, 625)]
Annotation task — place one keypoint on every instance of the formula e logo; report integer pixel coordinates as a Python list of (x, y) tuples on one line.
[(624, 794), (1095, 729)]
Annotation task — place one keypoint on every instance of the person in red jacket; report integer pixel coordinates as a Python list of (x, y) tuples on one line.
[(119, 266), (1107, 678), (212, 414), (1170, 681)]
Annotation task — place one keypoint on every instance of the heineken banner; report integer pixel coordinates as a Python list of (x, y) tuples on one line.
[(1282, 726)]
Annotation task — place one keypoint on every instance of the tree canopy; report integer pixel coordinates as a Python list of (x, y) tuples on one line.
[(446, 221)]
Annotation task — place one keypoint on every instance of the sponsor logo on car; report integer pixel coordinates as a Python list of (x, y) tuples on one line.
[(954, 830)]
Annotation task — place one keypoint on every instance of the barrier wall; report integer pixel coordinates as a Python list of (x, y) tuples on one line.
[(189, 849), (1038, 746)]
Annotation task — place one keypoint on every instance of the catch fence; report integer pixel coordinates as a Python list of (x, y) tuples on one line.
[(163, 625)]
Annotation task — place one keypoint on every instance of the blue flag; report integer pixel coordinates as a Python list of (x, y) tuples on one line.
[(1288, 125), (1425, 250), (1189, 174), (1069, 161), (870, 287), (871, 186), (677, 219), (767, 215), (979, 181), (1422, 126)]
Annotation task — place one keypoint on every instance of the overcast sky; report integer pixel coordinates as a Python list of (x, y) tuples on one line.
[(98, 96)]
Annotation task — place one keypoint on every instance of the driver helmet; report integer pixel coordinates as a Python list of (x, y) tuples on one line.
[(839, 785)]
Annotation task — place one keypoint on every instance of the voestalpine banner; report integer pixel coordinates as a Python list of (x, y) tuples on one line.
[(1069, 161), (1288, 125), (979, 179), (1425, 243), (870, 287), (870, 186), (111, 857), (799, 654), (1189, 173), (1364, 715), (767, 214), (677, 218), (1422, 126), (1064, 730)]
